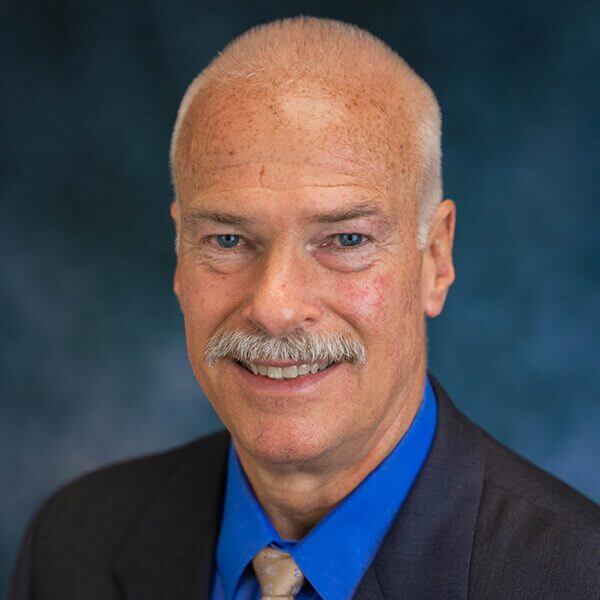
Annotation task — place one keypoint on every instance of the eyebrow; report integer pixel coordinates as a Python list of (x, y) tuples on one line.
[(363, 209), (196, 216)]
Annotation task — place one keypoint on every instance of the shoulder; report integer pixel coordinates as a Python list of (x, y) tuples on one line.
[(125, 486), (509, 475), (534, 533), (84, 522), (535, 536)]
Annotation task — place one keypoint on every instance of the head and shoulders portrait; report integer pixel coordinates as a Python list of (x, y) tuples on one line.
[(313, 240)]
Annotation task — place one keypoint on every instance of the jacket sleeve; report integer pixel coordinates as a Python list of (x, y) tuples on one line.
[(20, 587), (21, 582)]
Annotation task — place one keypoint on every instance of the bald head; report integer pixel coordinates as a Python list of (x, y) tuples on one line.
[(316, 83)]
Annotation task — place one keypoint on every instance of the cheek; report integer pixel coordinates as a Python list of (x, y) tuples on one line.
[(383, 309), (368, 302), (206, 298)]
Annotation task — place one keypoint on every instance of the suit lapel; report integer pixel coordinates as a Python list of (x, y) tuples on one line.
[(169, 554), (427, 552), (369, 587)]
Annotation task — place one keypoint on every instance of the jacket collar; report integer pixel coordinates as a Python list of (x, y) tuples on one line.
[(169, 553), (425, 554)]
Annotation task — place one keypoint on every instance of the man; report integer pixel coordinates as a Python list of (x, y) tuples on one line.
[(312, 241)]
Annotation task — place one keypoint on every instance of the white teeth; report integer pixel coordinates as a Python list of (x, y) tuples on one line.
[(275, 373), (290, 372)]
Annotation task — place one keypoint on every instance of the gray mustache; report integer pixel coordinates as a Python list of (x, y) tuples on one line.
[(300, 346)]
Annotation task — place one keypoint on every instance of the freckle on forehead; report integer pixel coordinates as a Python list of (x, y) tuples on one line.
[(305, 123)]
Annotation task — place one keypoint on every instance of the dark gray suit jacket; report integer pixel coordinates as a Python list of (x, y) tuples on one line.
[(480, 522)]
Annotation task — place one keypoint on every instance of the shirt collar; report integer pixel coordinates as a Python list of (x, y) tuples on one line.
[(343, 540)]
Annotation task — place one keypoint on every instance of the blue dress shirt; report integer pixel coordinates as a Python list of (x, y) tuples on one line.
[(334, 555)]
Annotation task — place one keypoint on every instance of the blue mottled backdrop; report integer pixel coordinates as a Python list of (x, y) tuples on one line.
[(92, 354)]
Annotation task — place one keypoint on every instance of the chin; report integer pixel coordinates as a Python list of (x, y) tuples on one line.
[(284, 442)]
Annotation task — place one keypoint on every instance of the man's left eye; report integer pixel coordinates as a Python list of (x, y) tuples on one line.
[(350, 239), (227, 240)]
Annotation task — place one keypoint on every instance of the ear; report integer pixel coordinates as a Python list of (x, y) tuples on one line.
[(176, 216), (438, 268)]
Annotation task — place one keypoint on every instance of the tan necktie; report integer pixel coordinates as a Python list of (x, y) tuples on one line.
[(277, 573)]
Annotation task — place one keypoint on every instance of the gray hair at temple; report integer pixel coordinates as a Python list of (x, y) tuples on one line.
[(288, 50)]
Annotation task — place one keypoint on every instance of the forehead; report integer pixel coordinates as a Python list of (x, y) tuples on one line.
[(304, 132)]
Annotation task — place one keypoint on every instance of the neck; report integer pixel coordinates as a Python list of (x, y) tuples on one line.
[(296, 499)]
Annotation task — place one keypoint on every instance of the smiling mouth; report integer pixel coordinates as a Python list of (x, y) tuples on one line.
[(289, 372)]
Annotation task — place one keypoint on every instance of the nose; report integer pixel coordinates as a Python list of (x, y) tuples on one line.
[(283, 296)]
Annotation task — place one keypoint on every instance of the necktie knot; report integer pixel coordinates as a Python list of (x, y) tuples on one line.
[(277, 573)]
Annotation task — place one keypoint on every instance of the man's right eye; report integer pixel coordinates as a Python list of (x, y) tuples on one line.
[(227, 240)]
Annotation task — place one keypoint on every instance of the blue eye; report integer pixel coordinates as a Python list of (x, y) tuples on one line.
[(227, 240), (350, 239)]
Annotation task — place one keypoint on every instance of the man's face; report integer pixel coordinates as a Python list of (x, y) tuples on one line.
[(265, 247)]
